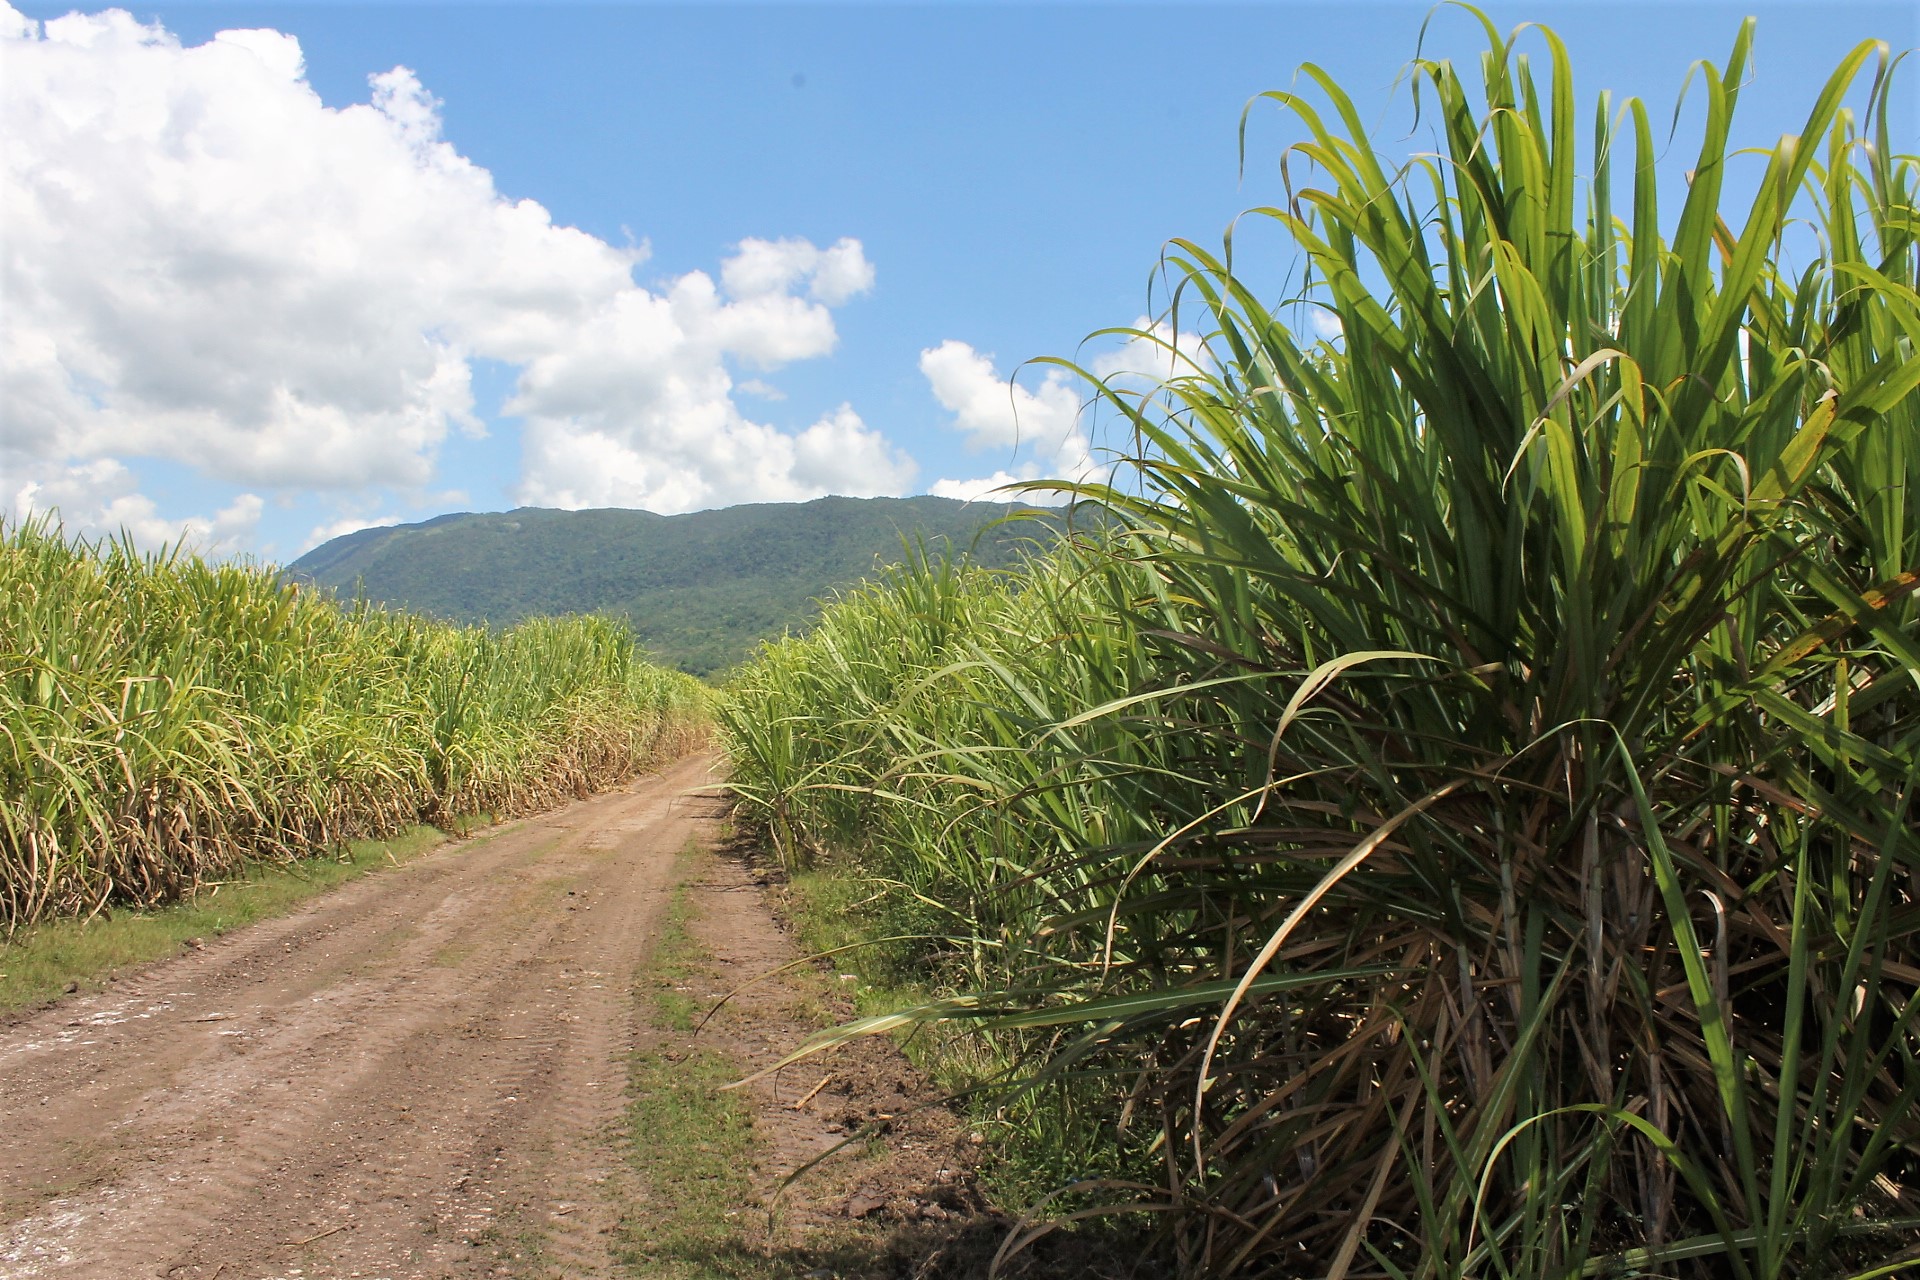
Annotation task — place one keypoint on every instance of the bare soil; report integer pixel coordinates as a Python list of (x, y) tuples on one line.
[(879, 1149), (889, 1189), (422, 1076)]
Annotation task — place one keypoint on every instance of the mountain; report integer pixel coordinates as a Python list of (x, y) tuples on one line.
[(701, 589)]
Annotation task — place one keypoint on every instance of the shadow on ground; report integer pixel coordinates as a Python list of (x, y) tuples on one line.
[(890, 1188), (963, 1251)]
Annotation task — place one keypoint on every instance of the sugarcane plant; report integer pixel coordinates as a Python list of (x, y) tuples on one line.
[(165, 720), (1505, 858)]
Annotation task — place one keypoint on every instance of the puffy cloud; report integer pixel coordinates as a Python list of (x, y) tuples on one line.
[(1045, 425), (1042, 422), (840, 454), (101, 498), (1153, 354), (989, 409), (832, 275), (695, 463), (637, 409), (989, 487), (344, 526), (206, 264)]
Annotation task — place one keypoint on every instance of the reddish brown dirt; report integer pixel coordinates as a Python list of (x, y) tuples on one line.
[(884, 1151), (891, 1193), (419, 1075), (422, 1076)]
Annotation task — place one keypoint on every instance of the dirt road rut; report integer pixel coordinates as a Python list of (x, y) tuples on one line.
[(416, 1076)]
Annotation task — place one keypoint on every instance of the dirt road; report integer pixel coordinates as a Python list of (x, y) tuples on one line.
[(406, 1078)]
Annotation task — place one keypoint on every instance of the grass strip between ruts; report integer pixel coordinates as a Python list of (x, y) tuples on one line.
[(689, 1143)]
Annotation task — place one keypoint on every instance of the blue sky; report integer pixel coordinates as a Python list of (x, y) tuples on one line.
[(255, 315)]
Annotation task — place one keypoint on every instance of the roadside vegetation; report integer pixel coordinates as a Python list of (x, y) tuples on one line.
[(1457, 816), (688, 1140), (166, 722)]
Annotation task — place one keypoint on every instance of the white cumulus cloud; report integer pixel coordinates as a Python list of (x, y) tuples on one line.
[(994, 488), (694, 463), (342, 527), (638, 409), (1041, 423), (1152, 354), (102, 497), (206, 264), (989, 409), (832, 275)]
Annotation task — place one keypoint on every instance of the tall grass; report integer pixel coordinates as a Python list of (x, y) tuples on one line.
[(1460, 819), (163, 719)]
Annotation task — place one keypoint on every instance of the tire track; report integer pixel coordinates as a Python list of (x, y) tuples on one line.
[(415, 1076)]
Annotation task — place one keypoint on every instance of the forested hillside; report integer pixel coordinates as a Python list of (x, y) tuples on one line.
[(701, 589)]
